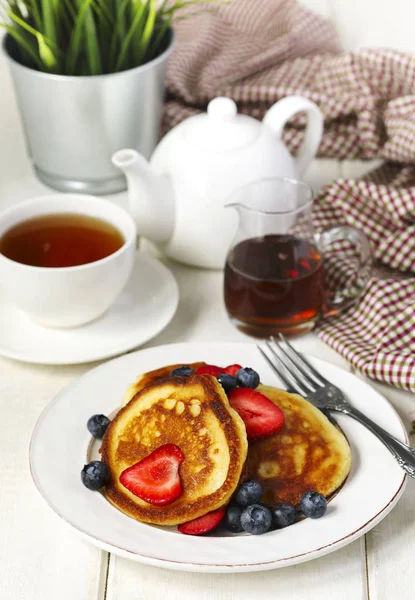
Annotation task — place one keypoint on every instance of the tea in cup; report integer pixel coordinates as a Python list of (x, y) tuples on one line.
[(274, 273), (65, 258)]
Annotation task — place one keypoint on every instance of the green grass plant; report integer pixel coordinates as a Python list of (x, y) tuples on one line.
[(89, 37)]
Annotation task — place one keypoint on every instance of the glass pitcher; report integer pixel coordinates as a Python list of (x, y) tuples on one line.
[(278, 269)]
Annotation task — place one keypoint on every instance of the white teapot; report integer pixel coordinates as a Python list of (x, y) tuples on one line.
[(178, 198)]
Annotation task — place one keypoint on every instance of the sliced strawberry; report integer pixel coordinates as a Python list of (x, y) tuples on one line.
[(203, 524), (261, 416), (232, 369), (210, 370), (155, 478)]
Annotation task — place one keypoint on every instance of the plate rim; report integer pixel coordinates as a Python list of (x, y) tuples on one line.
[(220, 567), (110, 354)]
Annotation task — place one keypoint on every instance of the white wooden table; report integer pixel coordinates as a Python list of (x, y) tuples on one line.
[(42, 559)]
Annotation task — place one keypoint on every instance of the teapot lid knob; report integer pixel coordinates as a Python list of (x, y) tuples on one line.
[(222, 109), (221, 129)]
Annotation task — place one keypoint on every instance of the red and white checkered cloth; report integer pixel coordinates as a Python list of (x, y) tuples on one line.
[(257, 52)]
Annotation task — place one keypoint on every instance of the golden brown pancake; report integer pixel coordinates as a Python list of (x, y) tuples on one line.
[(308, 453), (193, 413)]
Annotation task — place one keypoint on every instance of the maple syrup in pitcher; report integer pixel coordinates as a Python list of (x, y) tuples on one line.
[(274, 284)]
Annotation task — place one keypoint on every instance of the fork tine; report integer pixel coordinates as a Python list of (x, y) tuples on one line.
[(302, 363), (285, 376), (290, 367), (296, 362)]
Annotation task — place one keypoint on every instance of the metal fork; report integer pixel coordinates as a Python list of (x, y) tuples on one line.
[(298, 375)]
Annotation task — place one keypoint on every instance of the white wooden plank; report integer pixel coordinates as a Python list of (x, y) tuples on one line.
[(391, 544), (41, 558), (402, 401), (339, 575), (391, 548), (382, 23)]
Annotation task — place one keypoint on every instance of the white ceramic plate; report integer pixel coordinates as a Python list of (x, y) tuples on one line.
[(144, 308), (59, 449)]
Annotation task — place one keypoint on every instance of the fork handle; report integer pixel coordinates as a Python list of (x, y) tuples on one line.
[(405, 455)]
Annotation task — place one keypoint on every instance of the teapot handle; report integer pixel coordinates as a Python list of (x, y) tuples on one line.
[(283, 110)]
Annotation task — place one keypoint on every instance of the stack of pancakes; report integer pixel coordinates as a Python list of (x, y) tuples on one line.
[(309, 453)]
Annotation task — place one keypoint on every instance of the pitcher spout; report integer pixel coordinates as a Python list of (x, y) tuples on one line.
[(150, 196)]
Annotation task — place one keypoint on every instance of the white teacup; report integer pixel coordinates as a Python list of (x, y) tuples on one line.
[(68, 296)]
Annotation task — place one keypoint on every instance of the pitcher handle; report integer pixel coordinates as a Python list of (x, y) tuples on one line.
[(343, 299), (283, 110)]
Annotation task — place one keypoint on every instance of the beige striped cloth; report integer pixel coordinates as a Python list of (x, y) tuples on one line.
[(258, 51)]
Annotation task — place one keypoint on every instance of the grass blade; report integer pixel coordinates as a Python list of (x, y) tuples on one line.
[(120, 19), (144, 8), (117, 38), (48, 12), (104, 28), (33, 9), (137, 24), (157, 42), (76, 38), (46, 54), (147, 33), (102, 9), (70, 9), (22, 23), (92, 43), (15, 8), (23, 44), (67, 21)]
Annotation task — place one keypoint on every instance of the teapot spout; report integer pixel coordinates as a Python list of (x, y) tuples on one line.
[(150, 196)]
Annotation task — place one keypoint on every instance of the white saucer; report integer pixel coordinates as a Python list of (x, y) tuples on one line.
[(145, 307), (60, 446)]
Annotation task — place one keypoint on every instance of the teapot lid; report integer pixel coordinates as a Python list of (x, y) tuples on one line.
[(221, 128)]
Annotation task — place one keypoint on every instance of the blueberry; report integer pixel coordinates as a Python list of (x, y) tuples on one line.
[(313, 505), (97, 425), (228, 382), (95, 474), (247, 378), (232, 519), (250, 492), (256, 519), (283, 515), (183, 371)]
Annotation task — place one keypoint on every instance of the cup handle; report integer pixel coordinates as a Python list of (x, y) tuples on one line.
[(343, 299), (283, 110)]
